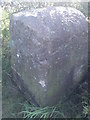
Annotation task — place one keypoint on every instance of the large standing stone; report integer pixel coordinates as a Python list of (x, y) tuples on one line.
[(49, 51)]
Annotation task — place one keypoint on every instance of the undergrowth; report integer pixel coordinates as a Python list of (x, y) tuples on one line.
[(75, 107)]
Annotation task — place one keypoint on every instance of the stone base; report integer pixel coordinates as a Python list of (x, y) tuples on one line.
[(22, 88)]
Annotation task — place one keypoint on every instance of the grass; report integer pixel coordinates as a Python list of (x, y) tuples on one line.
[(75, 107), (38, 112)]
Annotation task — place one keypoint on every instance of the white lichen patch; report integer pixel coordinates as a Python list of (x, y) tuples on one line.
[(52, 12), (18, 55), (42, 83)]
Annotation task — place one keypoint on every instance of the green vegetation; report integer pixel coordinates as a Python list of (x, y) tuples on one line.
[(68, 109), (14, 105)]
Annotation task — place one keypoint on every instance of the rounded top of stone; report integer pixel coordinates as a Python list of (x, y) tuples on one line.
[(51, 9), (50, 21)]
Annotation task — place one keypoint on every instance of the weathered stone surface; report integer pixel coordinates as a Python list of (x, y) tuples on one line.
[(49, 51)]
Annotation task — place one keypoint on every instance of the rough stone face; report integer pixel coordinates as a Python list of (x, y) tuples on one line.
[(49, 51)]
